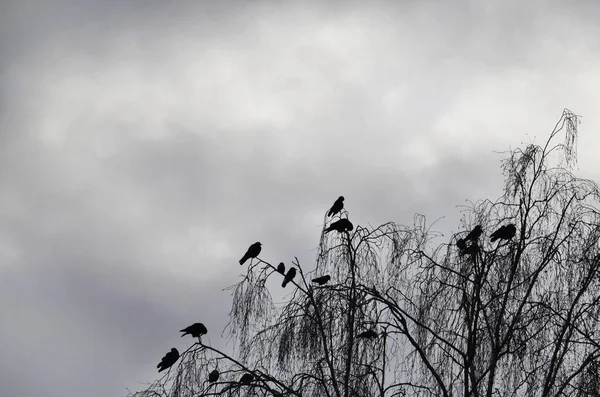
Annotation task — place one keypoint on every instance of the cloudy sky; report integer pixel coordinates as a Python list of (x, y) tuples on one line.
[(145, 144)]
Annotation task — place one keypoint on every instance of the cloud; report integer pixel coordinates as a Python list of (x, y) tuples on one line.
[(146, 145)]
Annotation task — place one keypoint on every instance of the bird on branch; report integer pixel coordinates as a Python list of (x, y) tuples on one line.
[(168, 360), (281, 268), (196, 330), (505, 232), (322, 280), (289, 276), (252, 252), (336, 207), (474, 234), (340, 226)]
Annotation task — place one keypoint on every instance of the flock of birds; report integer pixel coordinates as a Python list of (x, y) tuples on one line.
[(196, 330), (469, 245)]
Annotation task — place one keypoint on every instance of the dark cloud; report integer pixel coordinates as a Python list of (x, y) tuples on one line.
[(145, 146)]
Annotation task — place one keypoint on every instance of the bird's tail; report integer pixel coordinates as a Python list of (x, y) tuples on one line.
[(284, 283)]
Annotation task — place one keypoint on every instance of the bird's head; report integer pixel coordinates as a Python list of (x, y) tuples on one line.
[(341, 198), (258, 243), (174, 351)]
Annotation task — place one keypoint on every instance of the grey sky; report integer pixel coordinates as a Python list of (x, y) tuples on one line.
[(146, 144)]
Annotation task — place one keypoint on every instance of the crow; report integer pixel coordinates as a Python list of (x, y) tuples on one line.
[(340, 226), (246, 379), (367, 334), (472, 249), (196, 330), (213, 376), (281, 268), (322, 280), (474, 234), (289, 276), (252, 252), (337, 206), (169, 359), (461, 244), (505, 233)]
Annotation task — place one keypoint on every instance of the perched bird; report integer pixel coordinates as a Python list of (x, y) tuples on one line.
[(367, 334), (461, 244), (281, 268), (289, 276), (322, 280), (340, 226), (246, 379), (474, 234), (337, 206), (505, 232), (196, 330), (213, 376), (169, 359), (252, 252)]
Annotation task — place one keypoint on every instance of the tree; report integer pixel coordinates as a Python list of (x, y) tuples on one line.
[(516, 317)]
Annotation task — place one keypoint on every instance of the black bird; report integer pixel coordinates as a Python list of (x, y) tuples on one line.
[(474, 234), (169, 359), (196, 330), (213, 376), (340, 226), (281, 268), (252, 252), (289, 276), (461, 244), (322, 280), (246, 379), (367, 334), (337, 206), (505, 232)]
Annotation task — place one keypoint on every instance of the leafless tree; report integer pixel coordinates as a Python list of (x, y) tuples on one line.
[(516, 317)]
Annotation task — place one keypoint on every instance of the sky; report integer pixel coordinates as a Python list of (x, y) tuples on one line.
[(144, 145)]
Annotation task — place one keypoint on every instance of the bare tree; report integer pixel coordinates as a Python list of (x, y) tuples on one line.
[(513, 317)]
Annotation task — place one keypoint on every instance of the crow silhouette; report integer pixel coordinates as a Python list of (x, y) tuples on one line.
[(246, 379), (340, 226), (461, 244), (213, 376), (281, 268), (367, 334), (252, 252), (196, 330), (505, 233), (322, 280), (169, 359), (337, 206), (289, 276), (474, 234)]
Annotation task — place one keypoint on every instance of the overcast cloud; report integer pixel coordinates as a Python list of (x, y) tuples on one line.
[(144, 145)]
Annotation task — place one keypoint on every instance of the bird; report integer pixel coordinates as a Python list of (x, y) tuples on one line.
[(340, 226), (505, 232), (213, 376), (196, 330), (461, 244), (367, 334), (322, 280), (474, 234), (252, 252), (289, 276), (246, 379), (168, 360), (336, 207), (281, 268)]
